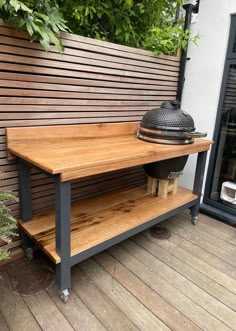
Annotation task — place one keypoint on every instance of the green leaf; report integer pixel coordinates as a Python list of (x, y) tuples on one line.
[(127, 36), (44, 17), (4, 255), (129, 2), (36, 27), (7, 196), (25, 8), (2, 3), (57, 42), (86, 11), (29, 28), (45, 42), (118, 31), (15, 4)]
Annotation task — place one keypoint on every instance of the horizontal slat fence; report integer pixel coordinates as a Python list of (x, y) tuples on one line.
[(92, 82)]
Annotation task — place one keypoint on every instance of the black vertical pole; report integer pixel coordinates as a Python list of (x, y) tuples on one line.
[(188, 8), (25, 204), (198, 181), (199, 174), (63, 235), (25, 191)]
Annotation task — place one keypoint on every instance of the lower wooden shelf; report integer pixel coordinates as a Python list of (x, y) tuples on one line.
[(97, 219)]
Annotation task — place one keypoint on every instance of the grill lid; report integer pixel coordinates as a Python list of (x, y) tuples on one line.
[(168, 117), (168, 125)]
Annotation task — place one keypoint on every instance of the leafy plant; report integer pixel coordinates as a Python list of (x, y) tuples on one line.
[(126, 22), (42, 20), (168, 40), (7, 221), (145, 24)]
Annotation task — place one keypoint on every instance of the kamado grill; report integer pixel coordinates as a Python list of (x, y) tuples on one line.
[(168, 125), (172, 126)]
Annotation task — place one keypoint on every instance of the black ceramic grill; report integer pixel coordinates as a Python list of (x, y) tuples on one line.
[(168, 125)]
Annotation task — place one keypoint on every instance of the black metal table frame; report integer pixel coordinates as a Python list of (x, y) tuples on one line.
[(62, 219)]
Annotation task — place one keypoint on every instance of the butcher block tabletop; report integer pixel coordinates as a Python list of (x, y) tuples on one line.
[(76, 151)]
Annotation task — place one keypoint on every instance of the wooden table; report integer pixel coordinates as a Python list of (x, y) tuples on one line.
[(74, 232)]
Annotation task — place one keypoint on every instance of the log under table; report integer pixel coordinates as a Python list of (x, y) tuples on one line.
[(75, 231)]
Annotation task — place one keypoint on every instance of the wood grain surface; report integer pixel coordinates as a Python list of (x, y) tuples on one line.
[(85, 150), (93, 222)]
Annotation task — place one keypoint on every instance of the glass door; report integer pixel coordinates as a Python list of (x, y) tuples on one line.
[(225, 160), (220, 192)]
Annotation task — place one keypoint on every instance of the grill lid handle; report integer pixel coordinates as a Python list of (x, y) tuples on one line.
[(195, 134), (171, 105)]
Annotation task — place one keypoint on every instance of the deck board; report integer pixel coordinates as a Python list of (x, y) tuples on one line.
[(84, 320), (3, 326), (111, 316), (42, 308), (169, 256), (130, 305), (194, 238), (199, 252), (222, 227), (14, 310), (176, 280), (211, 272), (142, 291), (209, 237), (143, 283), (175, 296)]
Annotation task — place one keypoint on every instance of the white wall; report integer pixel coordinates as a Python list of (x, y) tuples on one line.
[(204, 70)]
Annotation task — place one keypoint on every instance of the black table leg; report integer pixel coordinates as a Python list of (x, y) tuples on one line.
[(197, 186), (25, 204), (63, 236)]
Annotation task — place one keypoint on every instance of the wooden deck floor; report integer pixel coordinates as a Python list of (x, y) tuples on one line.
[(186, 282)]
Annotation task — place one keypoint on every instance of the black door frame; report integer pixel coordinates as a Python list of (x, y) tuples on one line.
[(218, 209)]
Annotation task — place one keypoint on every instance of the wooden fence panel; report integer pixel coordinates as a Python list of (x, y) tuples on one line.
[(92, 82)]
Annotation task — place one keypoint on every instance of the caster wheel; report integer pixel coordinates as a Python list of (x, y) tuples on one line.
[(194, 220), (29, 254), (65, 296)]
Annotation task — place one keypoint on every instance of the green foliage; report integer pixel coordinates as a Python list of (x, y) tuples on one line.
[(138, 23), (4, 255), (41, 18), (7, 222), (168, 40), (127, 22), (111, 20)]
